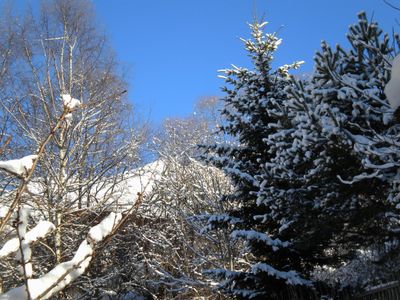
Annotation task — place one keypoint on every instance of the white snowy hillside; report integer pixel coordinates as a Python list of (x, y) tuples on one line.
[(106, 193), (141, 180)]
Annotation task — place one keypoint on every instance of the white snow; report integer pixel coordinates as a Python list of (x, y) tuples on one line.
[(70, 102), (392, 89), (19, 167), (368, 164), (123, 195), (23, 221), (291, 277), (137, 181), (25, 253), (39, 231), (65, 273), (285, 226), (141, 180), (387, 117), (101, 230), (3, 211), (68, 119), (361, 139), (360, 177), (259, 236), (382, 286)]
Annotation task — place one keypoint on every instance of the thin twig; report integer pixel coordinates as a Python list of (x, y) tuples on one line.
[(391, 5)]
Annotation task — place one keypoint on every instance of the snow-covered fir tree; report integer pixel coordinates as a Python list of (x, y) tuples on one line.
[(315, 167), (339, 163), (254, 109)]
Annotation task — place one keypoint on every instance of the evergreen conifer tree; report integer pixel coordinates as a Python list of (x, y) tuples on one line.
[(254, 109), (315, 164), (340, 163)]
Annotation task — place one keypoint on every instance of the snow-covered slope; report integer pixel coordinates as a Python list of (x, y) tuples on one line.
[(141, 180), (121, 195)]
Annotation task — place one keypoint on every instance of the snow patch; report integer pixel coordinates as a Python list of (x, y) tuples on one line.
[(68, 119), (392, 89), (39, 231), (19, 167), (291, 277), (104, 228), (70, 102)]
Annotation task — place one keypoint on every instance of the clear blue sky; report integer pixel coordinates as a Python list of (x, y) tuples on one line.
[(173, 48)]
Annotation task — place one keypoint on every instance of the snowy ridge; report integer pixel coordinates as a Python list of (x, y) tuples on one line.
[(121, 196), (139, 181)]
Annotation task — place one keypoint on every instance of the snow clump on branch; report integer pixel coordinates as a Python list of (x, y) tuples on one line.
[(99, 232), (70, 102), (39, 231), (19, 167)]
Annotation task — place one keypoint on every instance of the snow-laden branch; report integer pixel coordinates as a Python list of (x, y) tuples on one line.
[(42, 229), (291, 277), (18, 167), (65, 273), (360, 177), (104, 228)]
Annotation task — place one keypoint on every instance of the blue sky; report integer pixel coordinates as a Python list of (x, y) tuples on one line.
[(173, 48)]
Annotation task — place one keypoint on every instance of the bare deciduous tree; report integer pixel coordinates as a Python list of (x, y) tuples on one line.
[(58, 54)]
